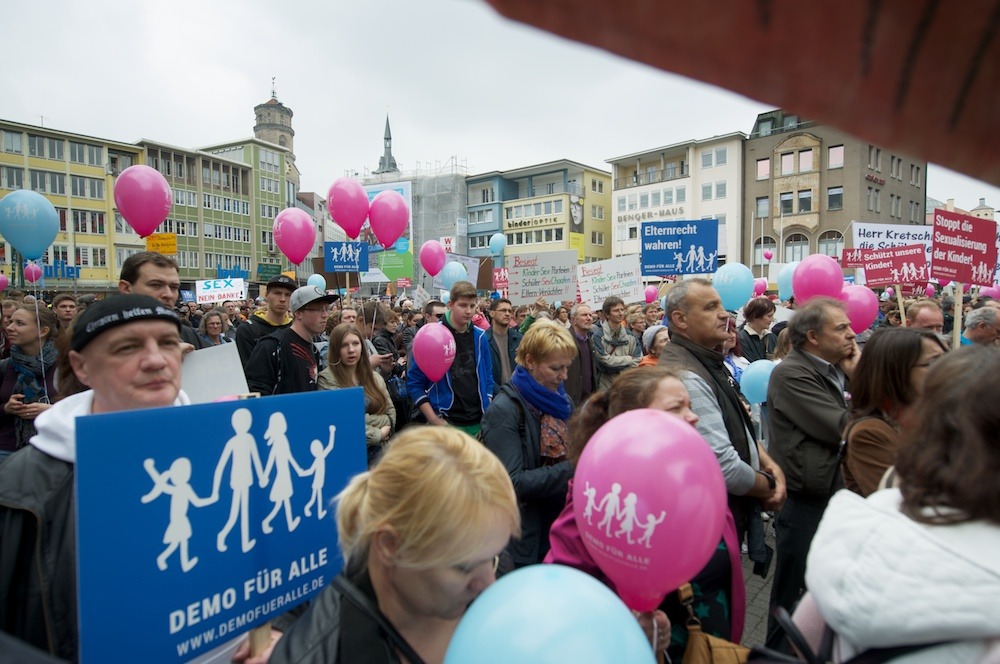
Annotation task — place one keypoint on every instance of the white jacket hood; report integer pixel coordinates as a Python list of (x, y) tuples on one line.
[(56, 427), (881, 579)]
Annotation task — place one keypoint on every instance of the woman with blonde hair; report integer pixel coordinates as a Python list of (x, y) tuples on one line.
[(525, 426), (420, 534), (213, 327), (348, 366)]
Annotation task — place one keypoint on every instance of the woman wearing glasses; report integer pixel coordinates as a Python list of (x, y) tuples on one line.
[(420, 534), (213, 326)]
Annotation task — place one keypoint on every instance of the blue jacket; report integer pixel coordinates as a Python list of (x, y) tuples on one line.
[(439, 394), (513, 341)]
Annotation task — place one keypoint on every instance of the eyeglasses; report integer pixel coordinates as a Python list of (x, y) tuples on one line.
[(213, 323), (469, 569), (504, 311)]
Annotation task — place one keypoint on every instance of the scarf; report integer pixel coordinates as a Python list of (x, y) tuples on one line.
[(29, 380), (553, 407)]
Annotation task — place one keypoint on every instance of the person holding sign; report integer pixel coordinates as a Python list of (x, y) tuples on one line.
[(420, 534), (127, 349)]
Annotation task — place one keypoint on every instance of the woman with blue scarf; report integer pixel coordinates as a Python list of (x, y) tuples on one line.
[(525, 426), (26, 378)]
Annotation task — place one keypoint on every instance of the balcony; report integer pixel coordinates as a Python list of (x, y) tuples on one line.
[(548, 190), (638, 179)]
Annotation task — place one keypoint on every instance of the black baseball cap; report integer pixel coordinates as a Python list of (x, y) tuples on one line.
[(282, 281), (118, 310)]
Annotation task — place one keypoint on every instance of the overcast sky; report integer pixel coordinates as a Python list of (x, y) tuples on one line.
[(456, 79)]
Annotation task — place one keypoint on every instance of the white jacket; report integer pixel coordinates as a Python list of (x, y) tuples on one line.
[(881, 579)]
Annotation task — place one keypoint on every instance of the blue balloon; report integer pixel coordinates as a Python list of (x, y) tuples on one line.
[(29, 222), (755, 378), (445, 296), (785, 290), (317, 280), (452, 273), (495, 295), (498, 242), (734, 283), (584, 622)]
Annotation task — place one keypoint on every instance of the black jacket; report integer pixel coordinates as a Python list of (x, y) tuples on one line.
[(282, 363), (256, 328)]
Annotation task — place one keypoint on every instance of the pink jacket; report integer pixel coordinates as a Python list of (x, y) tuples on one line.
[(567, 548)]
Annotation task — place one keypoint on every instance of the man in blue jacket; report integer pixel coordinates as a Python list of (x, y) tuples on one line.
[(461, 397), (504, 341)]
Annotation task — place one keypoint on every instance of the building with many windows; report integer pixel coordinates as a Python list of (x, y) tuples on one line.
[(700, 179), (558, 205), (805, 183)]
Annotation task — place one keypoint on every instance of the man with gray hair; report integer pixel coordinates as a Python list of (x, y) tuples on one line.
[(807, 402), (981, 327), (581, 377), (698, 327)]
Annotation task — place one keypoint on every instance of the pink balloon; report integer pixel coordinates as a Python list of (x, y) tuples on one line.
[(651, 293), (862, 306), (143, 198), (4, 282), (348, 205), (768, 254), (943, 282), (929, 290), (434, 350), (294, 233), (989, 291), (432, 257), (388, 216), (660, 473), (759, 286), (890, 291), (32, 272), (817, 275)]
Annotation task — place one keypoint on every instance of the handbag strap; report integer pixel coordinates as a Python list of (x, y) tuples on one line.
[(363, 604)]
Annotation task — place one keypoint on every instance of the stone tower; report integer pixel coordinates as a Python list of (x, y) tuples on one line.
[(274, 125), (387, 163)]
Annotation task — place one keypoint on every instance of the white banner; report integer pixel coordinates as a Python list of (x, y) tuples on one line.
[(471, 265), (616, 276), (219, 290), (550, 274)]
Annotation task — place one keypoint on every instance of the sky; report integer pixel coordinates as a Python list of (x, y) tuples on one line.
[(458, 82)]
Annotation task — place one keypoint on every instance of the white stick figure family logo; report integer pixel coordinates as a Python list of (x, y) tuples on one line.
[(622, 511), (241, 456)]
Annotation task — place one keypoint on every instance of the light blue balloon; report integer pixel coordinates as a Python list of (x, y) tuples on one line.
[(785, 290), (584, 622), (498, 242), (402, 245), (445, 296), (317, 280), (452, 273), (753, 383), (734, 283), (29, 222)]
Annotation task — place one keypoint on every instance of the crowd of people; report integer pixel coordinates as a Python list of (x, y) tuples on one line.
[(879, 446)]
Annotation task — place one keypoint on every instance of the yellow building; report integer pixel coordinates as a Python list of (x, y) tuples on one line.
[(76, 174)]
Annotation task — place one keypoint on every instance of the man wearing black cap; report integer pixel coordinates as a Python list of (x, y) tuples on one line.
[(286, 361), (127, 349), (156, 275), (275, 317)]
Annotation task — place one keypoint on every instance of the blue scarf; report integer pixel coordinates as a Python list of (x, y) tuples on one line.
[(550, 402)]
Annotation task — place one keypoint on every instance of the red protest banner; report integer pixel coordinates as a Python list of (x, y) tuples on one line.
[(895, 265), (851, 258), (964, 248), (500, 278), (403, 282)]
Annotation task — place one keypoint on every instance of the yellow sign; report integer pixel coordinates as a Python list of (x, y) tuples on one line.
[(290, 274), (576, 242), (162, 243)]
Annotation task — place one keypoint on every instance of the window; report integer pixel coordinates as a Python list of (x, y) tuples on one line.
[(206, 174), (559, 235), (786, 203), (805, 160), (915, 175), (83, 256), (12, 142), (914, 211), (835, 157), (557, 207), (57, 183), (597, 237), (763, 207), (831, 243), (874, 158), (206, 202), (77, 152), (192, 199), (100, 257), (805, 200), (597, 185), (680, 194), (38, 179), (654, 198), (895, 167), (621, 204), (538, 236), (633, 232), (643, 201), (706, 159), (835, 198), (548, 235), (788, 163), (761, 245), (36, 146), (763, 169), (720, 156), (766, 127), (598, 211), (706, 192), (668, 196), (13, 178), (60, 252), (55, 146), (62, 219), (790, 122), (874, 199), (796, 247), (95, 155), (720, 189)]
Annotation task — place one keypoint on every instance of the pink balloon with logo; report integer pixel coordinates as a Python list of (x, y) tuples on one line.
[(890, 291), (759, 286), (929, 290), (768, 254), (32, 272), (651, 293), (432, 257), (861, 304), (294, 233), (434, 350), (388, 216), (347, 202), (4, 282), (143, 198), (650, 503), (817, 275)]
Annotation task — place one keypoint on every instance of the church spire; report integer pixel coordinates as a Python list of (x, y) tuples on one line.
[(387, 163)]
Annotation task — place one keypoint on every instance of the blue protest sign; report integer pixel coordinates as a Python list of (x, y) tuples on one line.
[(210, 531), (345, 256), (679, 247)]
